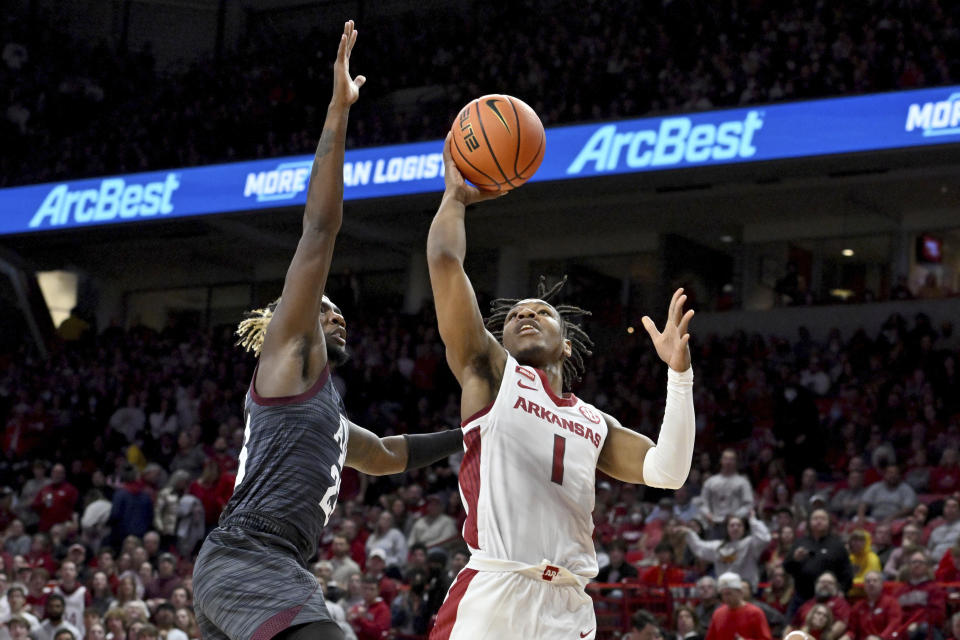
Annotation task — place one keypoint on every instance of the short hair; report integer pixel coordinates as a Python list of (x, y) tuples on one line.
[(165, 605), (417, 546), (641, 618), (116, 613), (369, 578), (64, 634), (16, 587), (148, 631), (57, 596), (664, 547), (831, 574), (580, 342), (619, 545), (18, 620)]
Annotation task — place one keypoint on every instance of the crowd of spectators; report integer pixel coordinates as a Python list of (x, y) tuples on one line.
[(826, 474), (75, 108)]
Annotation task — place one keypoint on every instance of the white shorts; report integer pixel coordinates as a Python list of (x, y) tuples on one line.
[(542, 602)]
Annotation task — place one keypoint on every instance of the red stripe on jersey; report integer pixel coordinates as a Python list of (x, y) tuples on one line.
[(470, 485), (478, 414), (282, 400), (567, 401), (447, 615)]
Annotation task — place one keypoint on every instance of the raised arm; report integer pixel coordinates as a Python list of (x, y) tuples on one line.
[(703, 549), (294, 335), (632, 457), (474, 355)]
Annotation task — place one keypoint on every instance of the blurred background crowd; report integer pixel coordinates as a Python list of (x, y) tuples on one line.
[(826, 475), (119, 453), (73, 108)]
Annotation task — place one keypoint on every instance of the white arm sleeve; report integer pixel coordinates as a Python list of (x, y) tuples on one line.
[(667, 463)]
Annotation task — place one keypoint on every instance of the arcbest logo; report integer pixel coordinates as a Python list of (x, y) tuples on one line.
[(935, 118), (675, 141), (115, 198), (282, 183)]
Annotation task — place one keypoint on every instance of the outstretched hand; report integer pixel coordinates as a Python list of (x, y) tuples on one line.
[(346, 90), (456, 185), (672, 342)]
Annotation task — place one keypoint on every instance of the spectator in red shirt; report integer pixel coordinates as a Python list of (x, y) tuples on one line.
[(371, 619), (213, 489), (736, 619), (876, 616), (826, 592), (55, 502), (949, 568), (665, 572), (818, 622), (37, 591), (922, 600), (357, 542), (40, 554), (376, 566)]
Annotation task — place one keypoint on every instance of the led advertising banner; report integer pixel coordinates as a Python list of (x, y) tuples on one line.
[(772, 132)]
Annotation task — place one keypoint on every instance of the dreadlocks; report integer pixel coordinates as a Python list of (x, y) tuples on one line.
[(254, 327), (580, 342)]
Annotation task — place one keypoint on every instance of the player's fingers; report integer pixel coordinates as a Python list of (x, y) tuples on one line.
[(650, 327), (360, 81), (673, 303), (342, 48), (353, 40), (685, 322), (678, 309), (447, 154)]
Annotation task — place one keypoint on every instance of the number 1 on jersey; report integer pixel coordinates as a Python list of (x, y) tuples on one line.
[(559, 448)]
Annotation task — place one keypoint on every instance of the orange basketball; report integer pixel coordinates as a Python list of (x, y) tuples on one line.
[(498, 142)]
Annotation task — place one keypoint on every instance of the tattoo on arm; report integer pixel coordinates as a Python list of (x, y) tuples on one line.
[(324, 147)]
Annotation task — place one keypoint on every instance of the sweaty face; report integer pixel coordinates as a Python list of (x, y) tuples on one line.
[(533, 334), (334, 332)]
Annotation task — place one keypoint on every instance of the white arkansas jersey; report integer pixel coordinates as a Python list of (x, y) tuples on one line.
[(527, 477)]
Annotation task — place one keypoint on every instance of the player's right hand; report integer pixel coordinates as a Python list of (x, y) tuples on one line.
[(454, 183), (346, 90)]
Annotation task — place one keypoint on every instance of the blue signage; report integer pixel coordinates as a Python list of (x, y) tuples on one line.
[(773, 132)]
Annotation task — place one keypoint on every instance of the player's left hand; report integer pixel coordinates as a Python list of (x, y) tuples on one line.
[(346, 90), (672, 344)]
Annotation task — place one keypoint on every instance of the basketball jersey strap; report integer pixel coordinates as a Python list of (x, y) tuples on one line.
[(546, 571)]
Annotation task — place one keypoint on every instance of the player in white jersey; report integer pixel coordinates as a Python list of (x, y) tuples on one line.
[(532, 451), (74, 595)]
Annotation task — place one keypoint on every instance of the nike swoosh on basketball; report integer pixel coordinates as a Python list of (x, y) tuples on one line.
[(584, 634), (492, 103), (523, 386)]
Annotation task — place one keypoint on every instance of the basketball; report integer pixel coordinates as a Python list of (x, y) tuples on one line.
[(498, 142)]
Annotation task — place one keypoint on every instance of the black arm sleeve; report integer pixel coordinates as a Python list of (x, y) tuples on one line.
[(426, 448)]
